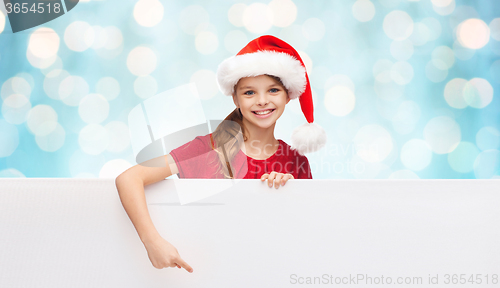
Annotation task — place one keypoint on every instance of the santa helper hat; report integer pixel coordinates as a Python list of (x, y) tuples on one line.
[(273, 56)]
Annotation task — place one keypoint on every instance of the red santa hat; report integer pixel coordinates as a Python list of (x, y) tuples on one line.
[(273, 56)]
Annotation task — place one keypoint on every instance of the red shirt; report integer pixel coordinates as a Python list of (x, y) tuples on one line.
[(197, 159)]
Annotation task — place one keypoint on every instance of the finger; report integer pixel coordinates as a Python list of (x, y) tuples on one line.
[(263, 177), (270, 179), (184, 265), (277, 181), (286, 178)]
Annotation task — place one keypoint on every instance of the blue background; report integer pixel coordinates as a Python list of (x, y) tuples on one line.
[(401, 88)]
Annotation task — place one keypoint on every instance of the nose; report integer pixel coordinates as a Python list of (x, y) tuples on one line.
[(262, 99)]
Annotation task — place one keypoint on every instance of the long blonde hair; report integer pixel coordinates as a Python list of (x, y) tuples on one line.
[(230, 135)]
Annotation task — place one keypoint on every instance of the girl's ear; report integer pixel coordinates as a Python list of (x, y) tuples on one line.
[(235, 100), (287, 98)]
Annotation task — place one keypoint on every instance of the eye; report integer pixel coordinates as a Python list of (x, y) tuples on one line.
[(249, 92), (274, 90)]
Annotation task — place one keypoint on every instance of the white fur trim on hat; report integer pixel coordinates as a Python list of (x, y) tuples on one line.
[(307, 138), (285, 66)]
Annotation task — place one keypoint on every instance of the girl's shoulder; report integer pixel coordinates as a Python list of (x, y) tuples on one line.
[(199, 145)]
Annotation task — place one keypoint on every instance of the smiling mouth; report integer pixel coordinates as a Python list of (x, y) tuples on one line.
[(264, 112)]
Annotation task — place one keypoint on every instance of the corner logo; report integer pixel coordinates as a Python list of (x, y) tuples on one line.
[(25, 14)]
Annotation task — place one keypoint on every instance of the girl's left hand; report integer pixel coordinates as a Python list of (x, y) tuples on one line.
[(278, 178)]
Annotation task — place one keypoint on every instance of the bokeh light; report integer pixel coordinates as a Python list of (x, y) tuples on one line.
[(441, 3), (313, 29), (363, 10), (114, 38), (339, 80), (388, 91), (235, 14), (373, 143), (52, 82), (93, 108), (487, 164), (41, 63), (293, 35), (473, 33), (141, 61), (15, 85), (495, 29), (382, 70), (462, 158), (284, 12), (402, 50), (454, 93), (434, 73), (108, 87), (20, 84), (72, 89), (42, 120), (192, 16), (43, 43), (478, 93), (119, 136), (444, 10), (206, 42), (52, 141), (56, 65), (488, 138), (406, 117), (100, 37), (148, 13), (11, 172), (398, 25), (145, 86), (9, 138), (206, 83), (434, 27), (390, 3), (258, 18), (79, 36), (93, 139), (402, 72), (340, 100), (15, 108), (416, 154), (420, 35), (442, 134), (443, 57)]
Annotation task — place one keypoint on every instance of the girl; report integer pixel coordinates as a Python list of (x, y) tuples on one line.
[(262, 78)]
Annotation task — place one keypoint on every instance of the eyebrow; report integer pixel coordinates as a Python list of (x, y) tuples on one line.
[(251, 87)]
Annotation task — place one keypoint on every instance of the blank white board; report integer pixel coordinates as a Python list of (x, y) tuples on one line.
[(75, 233)]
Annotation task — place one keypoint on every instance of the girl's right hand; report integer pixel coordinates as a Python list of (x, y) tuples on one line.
[(162, 254)]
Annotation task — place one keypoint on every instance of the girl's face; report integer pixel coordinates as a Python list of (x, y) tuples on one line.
[(261, 100)]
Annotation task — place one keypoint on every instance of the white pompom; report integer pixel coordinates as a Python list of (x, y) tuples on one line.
[(308, 138)]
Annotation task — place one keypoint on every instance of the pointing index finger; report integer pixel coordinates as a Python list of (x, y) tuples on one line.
[(184, 265)]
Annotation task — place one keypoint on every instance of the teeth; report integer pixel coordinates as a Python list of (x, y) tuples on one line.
[(263, 112)]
